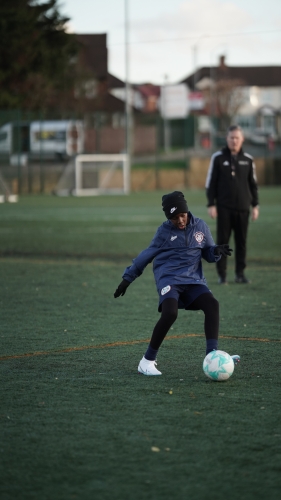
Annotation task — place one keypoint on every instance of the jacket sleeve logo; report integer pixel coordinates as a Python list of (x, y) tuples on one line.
[(199, 237)]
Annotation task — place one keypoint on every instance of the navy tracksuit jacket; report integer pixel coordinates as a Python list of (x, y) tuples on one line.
[(176, 254)]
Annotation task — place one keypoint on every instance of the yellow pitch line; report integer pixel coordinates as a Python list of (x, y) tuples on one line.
[(129, 342)]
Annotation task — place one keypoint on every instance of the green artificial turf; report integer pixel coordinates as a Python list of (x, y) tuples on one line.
[(77, 421)]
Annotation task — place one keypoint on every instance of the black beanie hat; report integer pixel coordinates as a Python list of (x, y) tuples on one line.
[(174, 203)]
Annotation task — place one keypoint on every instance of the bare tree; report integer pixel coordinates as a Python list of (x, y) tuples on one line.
[(223, 100)]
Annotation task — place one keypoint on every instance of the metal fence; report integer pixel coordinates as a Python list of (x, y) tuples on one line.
[(36, 148)]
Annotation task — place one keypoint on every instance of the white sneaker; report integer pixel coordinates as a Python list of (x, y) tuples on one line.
[(147, 367)]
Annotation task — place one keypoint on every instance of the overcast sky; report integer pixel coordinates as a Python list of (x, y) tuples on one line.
[(169, 38)]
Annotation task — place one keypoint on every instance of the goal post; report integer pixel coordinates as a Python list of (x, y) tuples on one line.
[(101, 174)]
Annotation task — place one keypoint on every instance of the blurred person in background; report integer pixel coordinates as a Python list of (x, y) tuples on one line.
[(231, 188)]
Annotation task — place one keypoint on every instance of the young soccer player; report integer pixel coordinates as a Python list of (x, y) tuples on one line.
[(176, 251)]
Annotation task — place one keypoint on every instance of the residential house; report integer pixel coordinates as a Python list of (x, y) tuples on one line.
[(92, 88), (254, 93), (100, 97), (143, 96)]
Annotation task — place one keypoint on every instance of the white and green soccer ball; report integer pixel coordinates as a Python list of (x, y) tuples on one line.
[(218, 366)]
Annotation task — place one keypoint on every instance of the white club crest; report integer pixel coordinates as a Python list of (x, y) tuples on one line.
[(172, 210), (165, 290), (199, 237)]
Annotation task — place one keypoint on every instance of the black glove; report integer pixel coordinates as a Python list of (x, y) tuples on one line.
[(121, 290), (223, 250)]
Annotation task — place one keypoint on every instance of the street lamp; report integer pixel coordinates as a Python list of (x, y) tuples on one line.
[(195, 51), (167, 138)]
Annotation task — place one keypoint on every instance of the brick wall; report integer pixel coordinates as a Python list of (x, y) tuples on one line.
[(108, 140)]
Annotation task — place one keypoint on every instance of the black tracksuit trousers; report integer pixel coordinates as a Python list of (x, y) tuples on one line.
[(229, 220)]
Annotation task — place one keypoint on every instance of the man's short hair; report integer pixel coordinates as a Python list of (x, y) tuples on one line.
[(232, 128)]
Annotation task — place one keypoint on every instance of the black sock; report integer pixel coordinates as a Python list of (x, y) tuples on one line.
[(211, 345)]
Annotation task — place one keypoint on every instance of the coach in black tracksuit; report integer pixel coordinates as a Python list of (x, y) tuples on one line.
[(231, 188)]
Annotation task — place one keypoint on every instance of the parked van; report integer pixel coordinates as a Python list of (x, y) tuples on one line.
[(49, 140)]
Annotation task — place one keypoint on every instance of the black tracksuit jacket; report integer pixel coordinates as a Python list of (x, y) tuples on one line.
[(231, 181)]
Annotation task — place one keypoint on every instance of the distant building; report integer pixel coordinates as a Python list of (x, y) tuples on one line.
[(97, 90), (259, 89), (91, 92), (143, 96), (100, 98), (150, 95)]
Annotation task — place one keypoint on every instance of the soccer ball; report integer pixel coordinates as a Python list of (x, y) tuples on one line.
[(218, 366)]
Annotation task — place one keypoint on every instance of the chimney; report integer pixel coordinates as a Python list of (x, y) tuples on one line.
[(222, 64)]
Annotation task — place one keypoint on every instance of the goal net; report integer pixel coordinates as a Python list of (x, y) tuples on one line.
[(101, 174)]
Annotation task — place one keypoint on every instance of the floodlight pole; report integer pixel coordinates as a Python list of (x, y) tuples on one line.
[(128, 110), (167, 139)]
